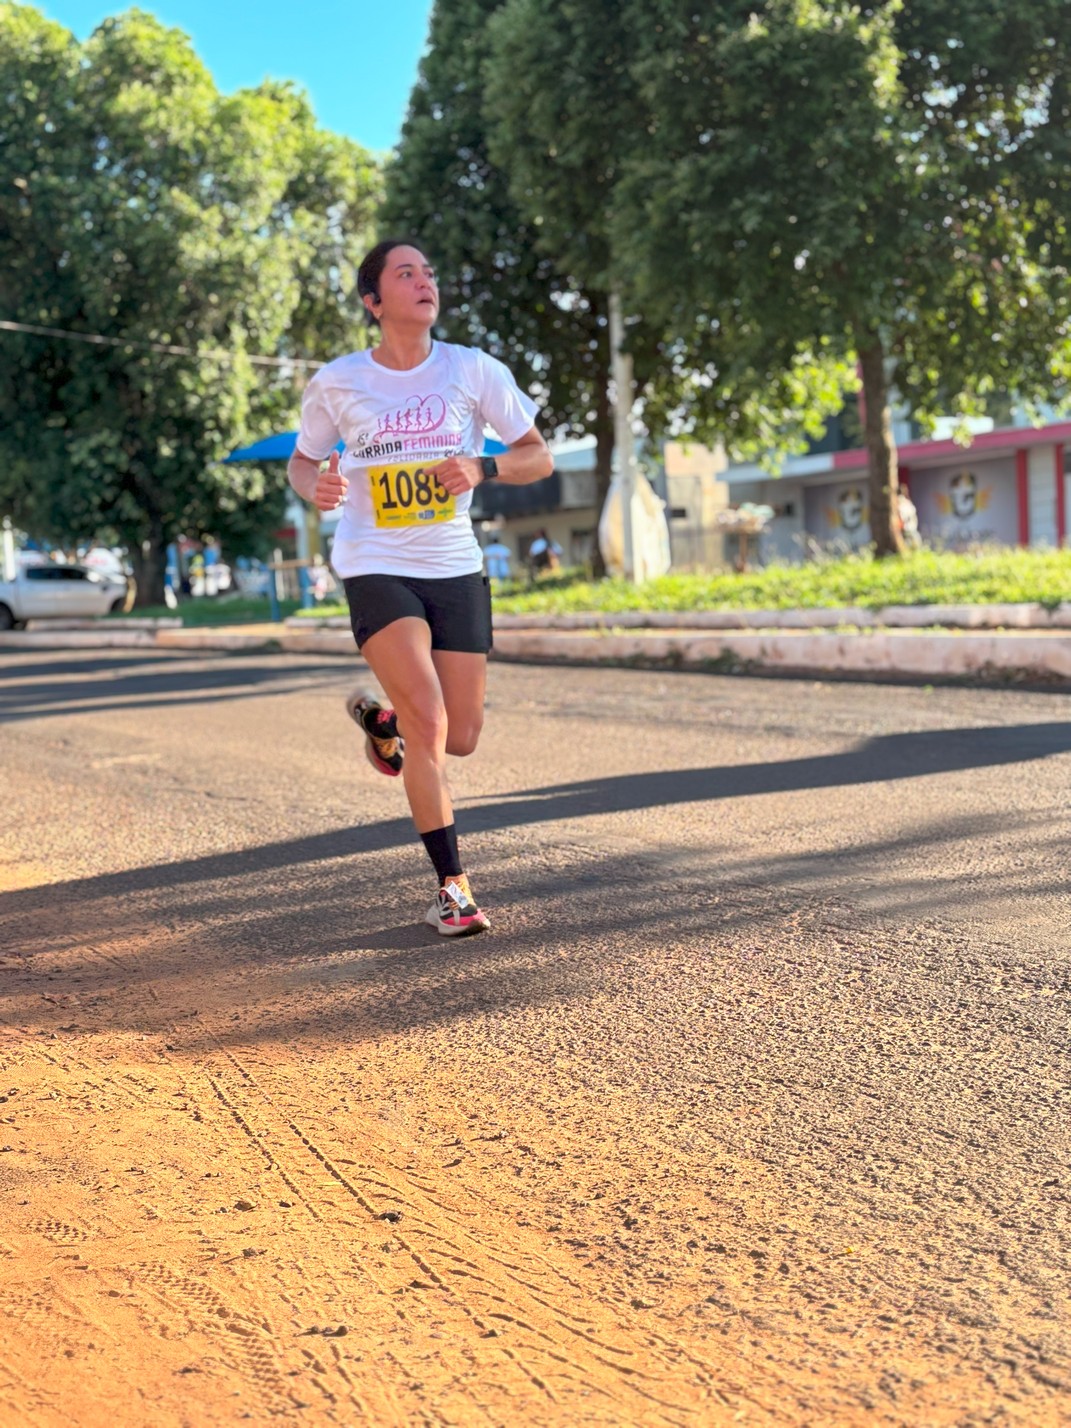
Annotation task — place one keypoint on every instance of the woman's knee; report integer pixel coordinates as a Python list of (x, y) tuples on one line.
[(422, 724), (464, 735)]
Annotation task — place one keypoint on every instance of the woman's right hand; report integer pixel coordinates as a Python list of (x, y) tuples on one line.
[(331, 486)]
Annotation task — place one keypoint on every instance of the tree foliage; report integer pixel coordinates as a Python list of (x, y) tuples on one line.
[(139, 203), (510, 158), (562, 113), (502, 287), (787, 193), (888, 181)]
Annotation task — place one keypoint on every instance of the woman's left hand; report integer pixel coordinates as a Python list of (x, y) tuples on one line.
[(457, 474)]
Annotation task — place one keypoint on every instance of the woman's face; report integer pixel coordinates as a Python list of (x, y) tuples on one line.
[(408, 291)]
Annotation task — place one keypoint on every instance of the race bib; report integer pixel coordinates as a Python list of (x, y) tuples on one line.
[(408, 495)]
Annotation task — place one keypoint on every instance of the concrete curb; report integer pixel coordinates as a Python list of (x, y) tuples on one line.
[(1044, 657), (329, 642), (120, 624), (241, 637), (77, 639), (961, 617)]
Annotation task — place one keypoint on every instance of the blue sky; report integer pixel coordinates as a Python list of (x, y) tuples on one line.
[(357, 60)]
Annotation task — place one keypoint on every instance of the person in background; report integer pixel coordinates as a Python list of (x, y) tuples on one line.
[(543, 554), (909, 520), (197, 574), (496, 559)]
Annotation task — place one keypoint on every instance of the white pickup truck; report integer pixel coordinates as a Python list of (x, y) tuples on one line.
[(50, 591)]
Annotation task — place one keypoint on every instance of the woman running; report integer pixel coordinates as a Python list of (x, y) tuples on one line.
[(411, 415)]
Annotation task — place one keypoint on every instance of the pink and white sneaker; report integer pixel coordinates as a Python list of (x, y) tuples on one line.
[(454, 911)]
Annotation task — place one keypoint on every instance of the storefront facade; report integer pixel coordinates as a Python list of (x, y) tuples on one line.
[(1009, 487)]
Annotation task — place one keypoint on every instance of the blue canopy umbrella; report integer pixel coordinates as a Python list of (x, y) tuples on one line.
[(280, 447)]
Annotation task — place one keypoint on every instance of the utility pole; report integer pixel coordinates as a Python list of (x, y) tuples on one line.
[(621, 368), (9, 566)]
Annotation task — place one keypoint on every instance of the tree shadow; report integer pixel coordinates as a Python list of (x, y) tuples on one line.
[(406, 937), (213, 677), (258, 956), (889, 757), (31, 663), (883, 759), (308, 955)]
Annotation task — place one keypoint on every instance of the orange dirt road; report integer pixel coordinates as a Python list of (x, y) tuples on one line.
[(702, 1133)]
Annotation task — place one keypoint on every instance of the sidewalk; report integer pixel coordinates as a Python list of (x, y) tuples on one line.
[(1004, 643)]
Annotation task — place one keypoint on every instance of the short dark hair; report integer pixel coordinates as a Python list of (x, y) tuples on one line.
[(371, 269)]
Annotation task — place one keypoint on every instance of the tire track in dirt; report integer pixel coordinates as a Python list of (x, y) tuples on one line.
[(571, 1349), (245, 1347), (566, 1341), (250, 1124), (182, 1302), (23, 1400), (468, 1325), (261, 1109)]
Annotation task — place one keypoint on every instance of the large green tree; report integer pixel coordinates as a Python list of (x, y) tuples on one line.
[(510, 158), (139, 204), (888, 182), (502, 288), (566, 120)]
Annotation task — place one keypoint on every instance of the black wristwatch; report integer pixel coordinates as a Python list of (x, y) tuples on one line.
[(489, 467)]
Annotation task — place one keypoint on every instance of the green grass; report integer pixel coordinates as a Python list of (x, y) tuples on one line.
[(218, 610), (926, 577)]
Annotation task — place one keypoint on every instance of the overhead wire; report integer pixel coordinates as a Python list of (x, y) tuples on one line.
[(166, 348)]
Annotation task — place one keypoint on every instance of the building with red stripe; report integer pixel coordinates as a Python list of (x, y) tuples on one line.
[(1011, 486)]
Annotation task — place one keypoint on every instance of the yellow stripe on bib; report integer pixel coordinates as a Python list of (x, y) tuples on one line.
[(408, 495)]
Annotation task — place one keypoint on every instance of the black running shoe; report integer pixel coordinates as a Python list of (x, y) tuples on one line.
[(384, 746)]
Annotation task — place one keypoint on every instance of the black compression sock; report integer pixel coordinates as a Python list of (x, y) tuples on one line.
[(441, 844)]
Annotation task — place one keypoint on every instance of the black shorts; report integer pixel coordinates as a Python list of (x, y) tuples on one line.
[(457, 609)]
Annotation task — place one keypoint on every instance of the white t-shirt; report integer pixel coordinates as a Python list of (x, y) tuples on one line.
[(396, 520)]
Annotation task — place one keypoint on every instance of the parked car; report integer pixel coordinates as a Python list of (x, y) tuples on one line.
[(50, 591)]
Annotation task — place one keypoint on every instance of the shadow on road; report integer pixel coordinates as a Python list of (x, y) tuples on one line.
[(355, 894), (887, 758), (28, 670), (338, 950), (716, 1030), (87, 689)]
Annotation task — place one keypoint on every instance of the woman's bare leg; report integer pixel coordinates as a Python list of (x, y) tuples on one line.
[(422, 686), (400, 657), (463, 681)]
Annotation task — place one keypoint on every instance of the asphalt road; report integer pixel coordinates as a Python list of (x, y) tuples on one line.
[(752, 1108)]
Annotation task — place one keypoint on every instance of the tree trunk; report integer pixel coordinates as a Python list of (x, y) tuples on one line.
[(604, 424), (883, 480), (149, 560), (604, 465)]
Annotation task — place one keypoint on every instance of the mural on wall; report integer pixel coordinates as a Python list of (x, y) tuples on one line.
[(967, 505), (838, 515), (965, 498)]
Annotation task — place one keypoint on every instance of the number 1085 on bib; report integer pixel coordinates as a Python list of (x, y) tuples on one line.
[(408, 496)]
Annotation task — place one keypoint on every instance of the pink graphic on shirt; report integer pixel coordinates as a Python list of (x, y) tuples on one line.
[(420, 414)]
